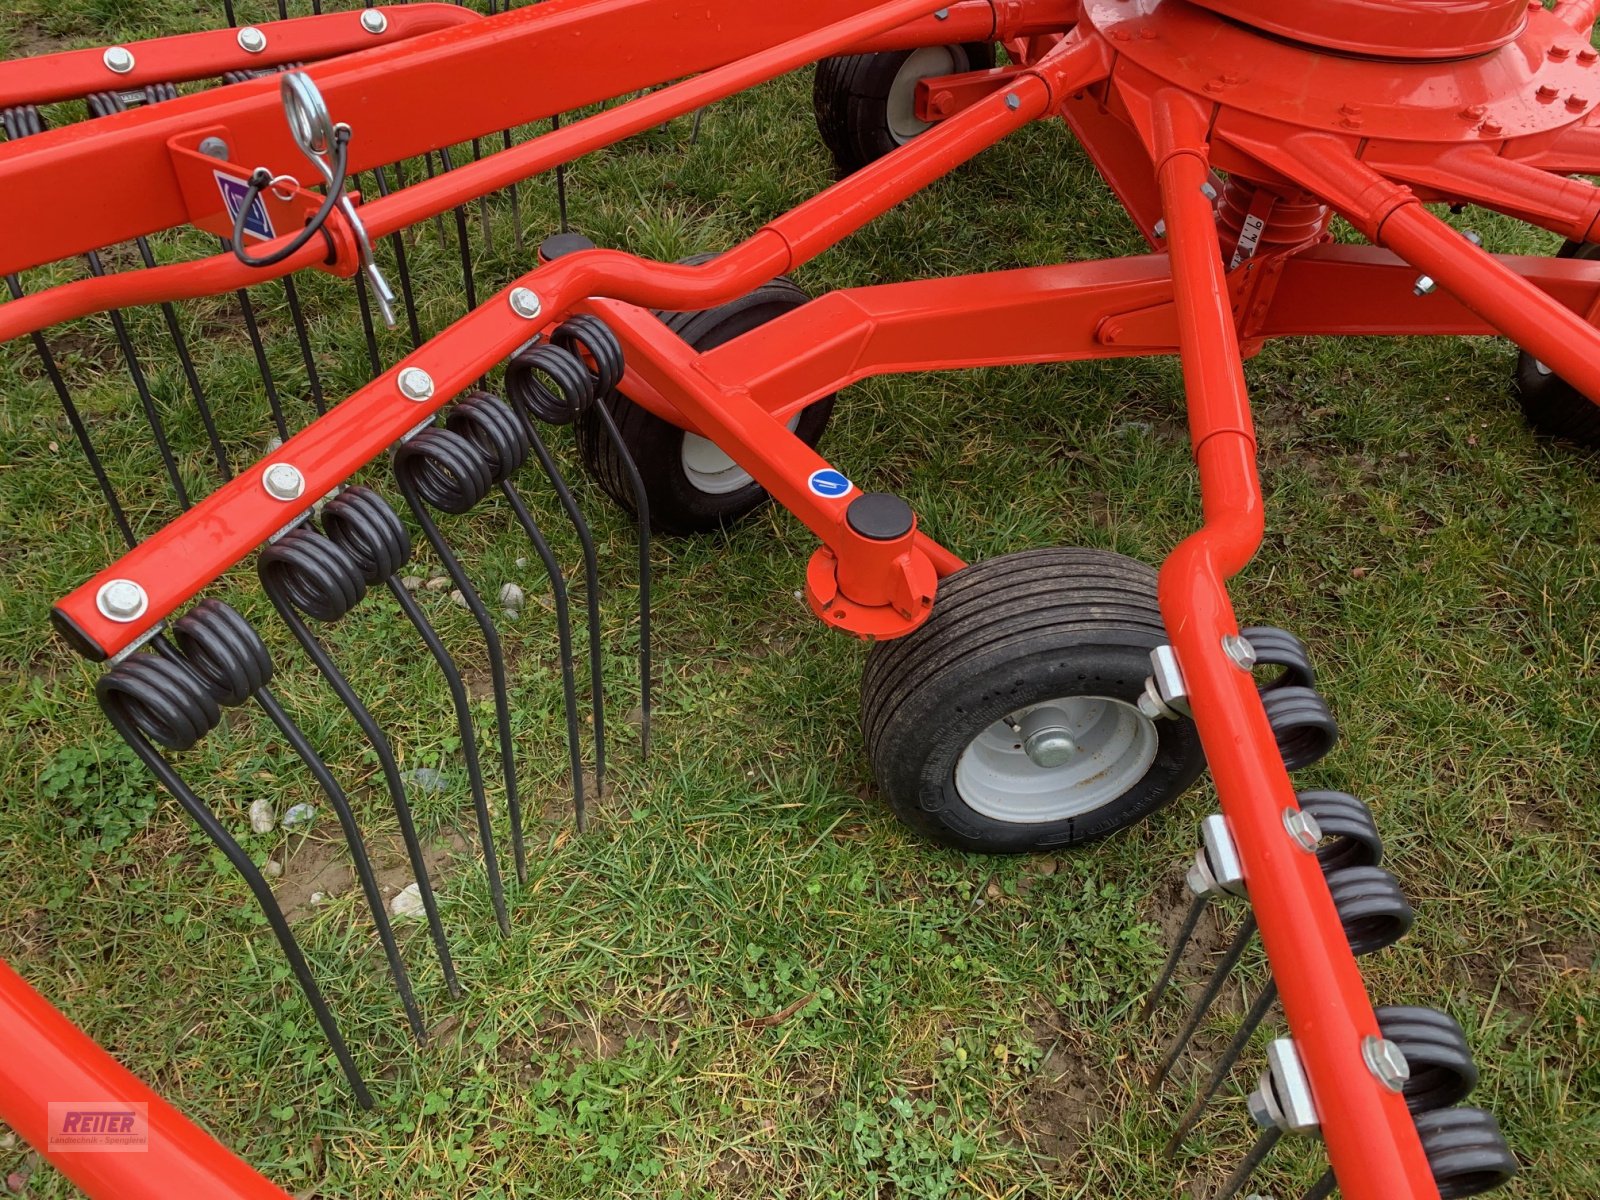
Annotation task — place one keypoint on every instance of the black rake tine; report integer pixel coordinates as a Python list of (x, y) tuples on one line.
[(591, 583), (694, 131), (402, 267), (202, 816), (1264, 1144), (253, 330), (561, 179), (358, 854), (483, 203), (142, 386), (558, 589), (169, 315), (506, 142), (374, 359), (497, 666), (47, 360), (1191, 920), (1213, 988), (438, 218), (1322, 1188), (391, 773), (1224, 1065), (303, 336), (463, 242), (642, 513), (469, 744)]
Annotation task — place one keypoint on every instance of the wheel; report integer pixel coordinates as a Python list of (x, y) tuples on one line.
[(865, 103), (1551, 405), (690, 485), (1009, 721)]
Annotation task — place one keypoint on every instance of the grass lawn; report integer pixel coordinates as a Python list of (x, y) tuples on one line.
[(747, 979)]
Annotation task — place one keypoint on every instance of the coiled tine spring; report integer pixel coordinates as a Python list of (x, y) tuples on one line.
[(442, 469), (306, 572), (160, 700), (361, 523), (492, 427)]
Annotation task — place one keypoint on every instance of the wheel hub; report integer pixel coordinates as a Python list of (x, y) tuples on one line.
[(1056, 760)]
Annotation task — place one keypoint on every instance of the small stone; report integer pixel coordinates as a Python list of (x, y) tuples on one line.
[(427, 779), (300, 817), (262, 816), (411, 582), (994, 891), (459, 600), (319, 897), (511, 596), (437, 584), (274, 443), (1046, 866), (407, 902), (522, 562), (55, 447), (1358, 572), (15, 1182), (8, 1141), (273, 869)]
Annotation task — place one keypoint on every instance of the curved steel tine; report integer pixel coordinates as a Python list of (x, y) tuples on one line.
[(202, 816), (358, 853), (1224, 1065), (1191, 919), (402, 268), (1322, 1188), (463, 243), (469, 743), (1264, 1144), (303, 336), (180, 344), (252, 328), (47, 361), (391, 774), (694, 132), (374, 359), (558, 589), (561, 179), (497, 666), (1213, 988), (642, 511), (591, 583), (142, 386), (506, 142)]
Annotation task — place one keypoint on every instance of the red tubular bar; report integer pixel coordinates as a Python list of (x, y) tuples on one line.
[(72, 74), (1371, 1141), (186, 555), (213, 276), (45, 1058), (1390, 215)]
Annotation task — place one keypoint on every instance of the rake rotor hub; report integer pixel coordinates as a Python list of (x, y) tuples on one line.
[(1403, 29)]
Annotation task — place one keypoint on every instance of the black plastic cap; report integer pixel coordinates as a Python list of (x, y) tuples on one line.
[(76, 638), (558, 245), (881, 516)]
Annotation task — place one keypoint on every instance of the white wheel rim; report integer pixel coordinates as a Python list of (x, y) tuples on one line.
[(1116, 744), (711, 471), (924, 63)]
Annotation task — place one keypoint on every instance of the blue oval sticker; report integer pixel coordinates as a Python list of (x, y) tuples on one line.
[(829, 483)]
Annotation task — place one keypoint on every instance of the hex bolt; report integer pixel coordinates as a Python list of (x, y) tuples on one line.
[(373, 20), (1013, 101), (1047, 738), (283, 481), (415, 384), (942, 14), (1160, 229), (525, 303), (1386, 1062), (252, 40), (1239, 651), (121, 600), (1424, 286), (214, 147), (1302, 828), (118, 60)]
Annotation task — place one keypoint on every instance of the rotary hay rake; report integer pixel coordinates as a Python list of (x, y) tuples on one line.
[(1030, 701)]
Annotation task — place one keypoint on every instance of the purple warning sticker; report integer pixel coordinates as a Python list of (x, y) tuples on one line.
[(234, 193)]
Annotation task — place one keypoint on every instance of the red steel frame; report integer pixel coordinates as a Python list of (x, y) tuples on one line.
[(1156, 123)]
